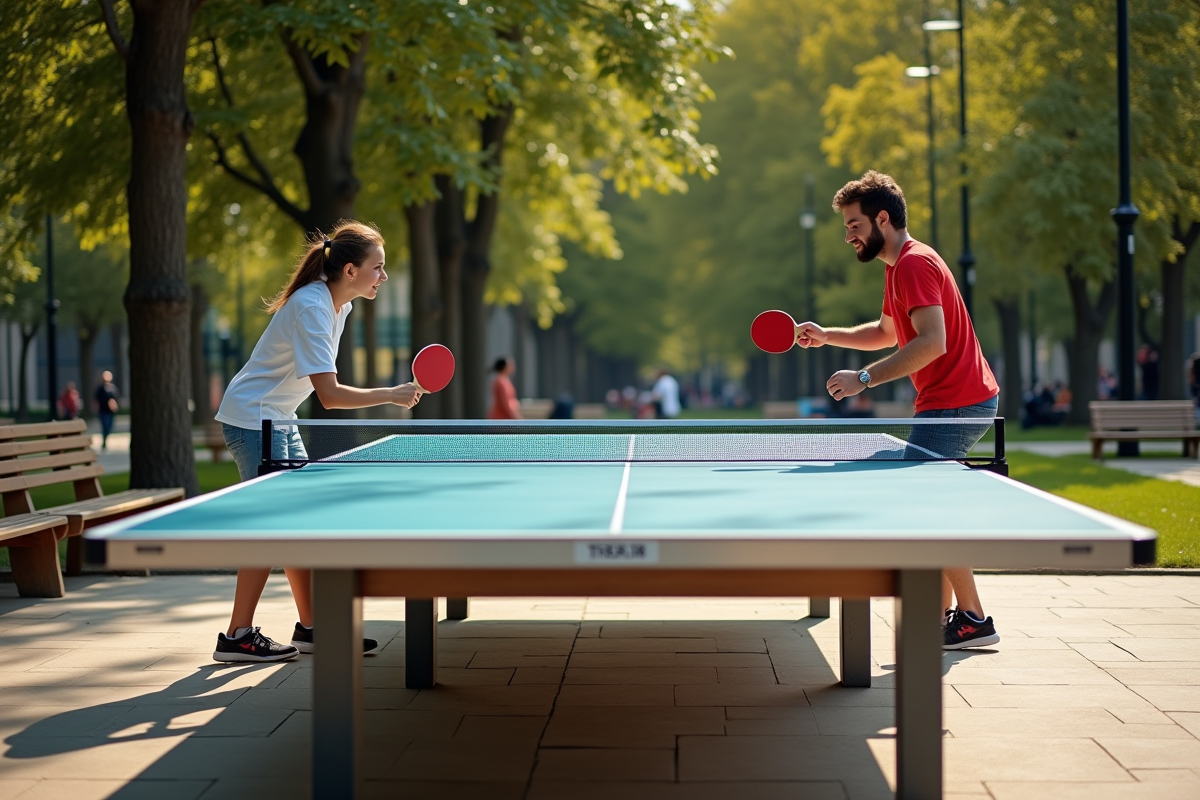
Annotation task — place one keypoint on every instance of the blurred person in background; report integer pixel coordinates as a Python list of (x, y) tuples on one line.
[(106, 406), (665, 394), (68, 402), (504, 403)]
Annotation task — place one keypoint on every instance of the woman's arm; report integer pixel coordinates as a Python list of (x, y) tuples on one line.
[(336, 395)]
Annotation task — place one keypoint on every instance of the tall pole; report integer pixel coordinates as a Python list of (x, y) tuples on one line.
[(933, 231), (1033, 365), (966, 261), (810, 279), (1125, 215), (51, 321)]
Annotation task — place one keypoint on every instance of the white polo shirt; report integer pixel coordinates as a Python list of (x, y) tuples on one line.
[(301, 340)]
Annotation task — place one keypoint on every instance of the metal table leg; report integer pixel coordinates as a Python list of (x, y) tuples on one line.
[(337, 684), (856, 642), (919, 685), (420, 642), (458, 607), (818, 607)]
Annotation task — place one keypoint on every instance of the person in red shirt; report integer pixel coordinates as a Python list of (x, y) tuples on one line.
[(924, 314), (504, 403)]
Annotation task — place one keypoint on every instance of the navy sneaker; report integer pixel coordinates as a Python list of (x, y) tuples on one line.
[(251, 646), (302, 640), (963, 630)]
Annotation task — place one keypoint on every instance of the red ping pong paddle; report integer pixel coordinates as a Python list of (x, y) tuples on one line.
[(433, 367), (773, 331)]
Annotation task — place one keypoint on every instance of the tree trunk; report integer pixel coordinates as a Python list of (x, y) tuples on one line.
[(88, 334), (1172, 358), (370, 344), (156, 298), (117, 334), (202, 412), (476, 267), (425, 291), (27, 335), (1009, 314), (450, 228), (1091, 319)]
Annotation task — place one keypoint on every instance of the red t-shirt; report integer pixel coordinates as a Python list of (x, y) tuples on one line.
[(504, 399), (961, 376)]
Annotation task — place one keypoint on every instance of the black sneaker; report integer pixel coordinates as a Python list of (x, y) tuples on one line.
[(302, 640), (963, 631), (252, 646)]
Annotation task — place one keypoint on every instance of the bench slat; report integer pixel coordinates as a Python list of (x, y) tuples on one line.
[(1144, 435), (19, 482), (24, 524), (56, 445), (117, 504), (63, 428), (17, 466)]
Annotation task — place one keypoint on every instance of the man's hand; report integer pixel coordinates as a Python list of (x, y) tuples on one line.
[(406, 395), (844, 383), (810, 334)]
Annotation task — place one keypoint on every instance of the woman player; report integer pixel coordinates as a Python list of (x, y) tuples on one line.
[(296, 355)]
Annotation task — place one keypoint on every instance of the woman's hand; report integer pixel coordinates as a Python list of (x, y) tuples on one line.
[(406, 395)]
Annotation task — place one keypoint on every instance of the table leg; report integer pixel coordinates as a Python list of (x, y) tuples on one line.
[(919, 685), (856, 642), (337, 684), (420, 643), (458, 607), (818, 607)]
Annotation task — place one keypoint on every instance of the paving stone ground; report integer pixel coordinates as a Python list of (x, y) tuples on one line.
[(1093, 692)]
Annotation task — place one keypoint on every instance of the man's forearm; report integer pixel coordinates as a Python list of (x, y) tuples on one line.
[(868, 336), (918, 353)]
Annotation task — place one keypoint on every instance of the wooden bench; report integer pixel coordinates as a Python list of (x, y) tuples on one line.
[(51, 453), (210, 436), (1143, 420)]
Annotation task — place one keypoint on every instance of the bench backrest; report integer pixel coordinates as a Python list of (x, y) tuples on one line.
[(1158, 415), (43, 454)]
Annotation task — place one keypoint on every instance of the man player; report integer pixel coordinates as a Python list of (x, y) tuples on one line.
[(924, 314)]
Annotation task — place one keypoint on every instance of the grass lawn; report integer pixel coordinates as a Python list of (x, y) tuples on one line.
[(1171, 508)]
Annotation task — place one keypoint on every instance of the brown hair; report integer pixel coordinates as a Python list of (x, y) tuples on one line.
[(350, 243), (875, 192)]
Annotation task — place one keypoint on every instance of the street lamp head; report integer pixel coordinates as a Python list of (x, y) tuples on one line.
[(808, 220), (942, 25), (922, 72)]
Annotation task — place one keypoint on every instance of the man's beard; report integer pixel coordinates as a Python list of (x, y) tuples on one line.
[(873, 245)]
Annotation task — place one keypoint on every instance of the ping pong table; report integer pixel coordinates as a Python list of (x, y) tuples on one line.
[(844, 508)]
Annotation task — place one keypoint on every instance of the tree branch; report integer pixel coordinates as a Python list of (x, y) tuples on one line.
[(267, 189), (114, 30), (216, 57), (304, 65)]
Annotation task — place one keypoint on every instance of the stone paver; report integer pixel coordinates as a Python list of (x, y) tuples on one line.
[(1092, 693)]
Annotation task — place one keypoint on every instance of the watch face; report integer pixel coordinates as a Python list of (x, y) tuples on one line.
[(864, 376)]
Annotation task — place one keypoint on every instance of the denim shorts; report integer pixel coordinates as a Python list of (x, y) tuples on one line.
[(245, 446), (950, 441)]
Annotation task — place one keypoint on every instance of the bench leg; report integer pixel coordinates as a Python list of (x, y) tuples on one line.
[(818, 607), (74, 565), (856, 643), (1098, 449), (420, 643), (35, 565), (458, 608)]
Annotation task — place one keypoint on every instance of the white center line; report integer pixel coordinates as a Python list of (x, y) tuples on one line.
[(618, 517)]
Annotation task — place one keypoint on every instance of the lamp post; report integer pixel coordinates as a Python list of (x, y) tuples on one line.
[(1125, 215), (51, 321), (808, 221), (232, 220), (928, 72), (966, 259)]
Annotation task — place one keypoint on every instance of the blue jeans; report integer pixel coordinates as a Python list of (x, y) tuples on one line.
[(245, 446), (950, 441)]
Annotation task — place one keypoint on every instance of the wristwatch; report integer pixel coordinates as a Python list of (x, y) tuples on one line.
[(865, 378)]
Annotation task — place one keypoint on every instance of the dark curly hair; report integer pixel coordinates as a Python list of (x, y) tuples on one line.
[(875, 192)]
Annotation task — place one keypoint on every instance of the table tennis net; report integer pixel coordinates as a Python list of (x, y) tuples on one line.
[(619, 441)]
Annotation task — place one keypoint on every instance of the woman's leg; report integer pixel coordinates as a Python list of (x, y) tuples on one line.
[(250, 584)]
